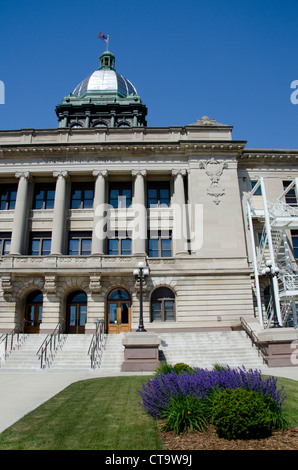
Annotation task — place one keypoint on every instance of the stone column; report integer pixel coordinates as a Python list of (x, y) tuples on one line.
[(140, 213), (180, 223), (20, 214), (100, 213), (58, 229)]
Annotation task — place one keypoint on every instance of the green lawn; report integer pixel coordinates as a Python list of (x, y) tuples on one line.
[(100, 414)]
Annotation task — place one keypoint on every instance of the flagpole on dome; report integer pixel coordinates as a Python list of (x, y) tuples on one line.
[(108, 39)]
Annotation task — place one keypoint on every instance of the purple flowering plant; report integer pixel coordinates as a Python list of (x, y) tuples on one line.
[(158, 392)]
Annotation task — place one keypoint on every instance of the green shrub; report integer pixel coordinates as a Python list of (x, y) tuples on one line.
[(185, 412), (180, 366), (164, 368), (243, 414)]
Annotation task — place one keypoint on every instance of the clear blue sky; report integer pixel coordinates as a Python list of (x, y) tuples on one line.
[(232, 60)]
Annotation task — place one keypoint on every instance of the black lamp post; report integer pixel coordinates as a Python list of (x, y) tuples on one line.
[(140, 274), (271, 272)]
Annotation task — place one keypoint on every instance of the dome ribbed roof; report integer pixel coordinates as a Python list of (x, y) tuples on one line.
[(105, 81)]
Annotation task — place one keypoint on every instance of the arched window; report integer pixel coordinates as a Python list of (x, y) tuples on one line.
[(33, 312), (163, 305)]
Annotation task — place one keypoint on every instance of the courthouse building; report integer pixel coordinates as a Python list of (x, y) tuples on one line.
[(82, 204)]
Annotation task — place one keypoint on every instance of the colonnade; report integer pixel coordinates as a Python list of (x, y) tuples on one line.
[(59, 211)]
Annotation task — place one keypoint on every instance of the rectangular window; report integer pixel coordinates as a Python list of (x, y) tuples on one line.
[(8, 196), (82, 196), (5, 238), (44, 196), (120, 195), (160, 245), (120, 245), (158, 194), (79, 243), (290, 197), (294, 235), (40, 244), (258, 192)]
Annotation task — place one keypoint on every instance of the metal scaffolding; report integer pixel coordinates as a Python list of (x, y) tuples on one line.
[(273, 246)]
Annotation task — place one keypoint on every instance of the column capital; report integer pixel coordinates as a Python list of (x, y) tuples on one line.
[(177, 172), (23, 174), (136, 173), (97, 173), (60, 174)]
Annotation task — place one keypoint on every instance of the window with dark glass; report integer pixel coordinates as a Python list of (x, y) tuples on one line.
[(158, 194), (8, 196), (120, 244), (82, 196), (258, 192), (44, 196), (160, 244), (290, 197), (5, 238), (294, 235), (40, 243), (79, 243), (120, 195), (163, 305)]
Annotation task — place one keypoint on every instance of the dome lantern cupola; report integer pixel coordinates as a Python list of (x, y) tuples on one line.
[(103, 99)]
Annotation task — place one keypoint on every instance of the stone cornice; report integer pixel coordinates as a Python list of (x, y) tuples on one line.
[(266, 156)]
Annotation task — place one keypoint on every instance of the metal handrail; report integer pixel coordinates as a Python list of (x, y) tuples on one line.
[(254, 339), (97, 345), (14, 340), (49, 346)]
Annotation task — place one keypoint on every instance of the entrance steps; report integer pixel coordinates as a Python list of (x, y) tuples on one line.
[(74, 354), (113, 354), (205, 349), (197, 349), (24, 358)]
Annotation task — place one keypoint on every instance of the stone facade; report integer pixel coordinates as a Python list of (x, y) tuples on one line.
[(208, 262)]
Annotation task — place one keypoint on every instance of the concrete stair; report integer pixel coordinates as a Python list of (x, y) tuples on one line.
[(113, 355), (197, 349), (74, 354), (25, 358), (205, 349)]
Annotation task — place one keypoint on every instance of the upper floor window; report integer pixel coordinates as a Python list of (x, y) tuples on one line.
[(44, 196), (120, 195), (8, 196), (120, 244), (258, 191), (290, 197), (82, 196), (294, 235), (160, 244), (40, 244), (5, 238), (79, 243), (158, 194)]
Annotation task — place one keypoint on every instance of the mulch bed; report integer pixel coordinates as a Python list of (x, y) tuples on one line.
[(280, 440)]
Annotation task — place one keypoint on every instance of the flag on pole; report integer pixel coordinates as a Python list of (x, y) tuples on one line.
[(103, 37)]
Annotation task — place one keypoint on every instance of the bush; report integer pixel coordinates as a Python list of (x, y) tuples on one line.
[(244, 414), (158, 392), (185, 413), (180, 366)]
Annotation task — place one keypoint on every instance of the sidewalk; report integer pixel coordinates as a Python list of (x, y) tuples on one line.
[(22, 392)]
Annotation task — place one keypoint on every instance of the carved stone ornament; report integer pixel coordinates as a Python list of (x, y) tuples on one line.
[(95, 284), (7, 287), (214, 169)]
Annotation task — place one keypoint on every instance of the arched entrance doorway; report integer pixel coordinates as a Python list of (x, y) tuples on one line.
[(76, 313), (119, 306), (33, 312)]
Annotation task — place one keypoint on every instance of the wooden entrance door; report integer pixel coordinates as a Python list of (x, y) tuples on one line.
[(76, 313), (33, 312), (119, 309)]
